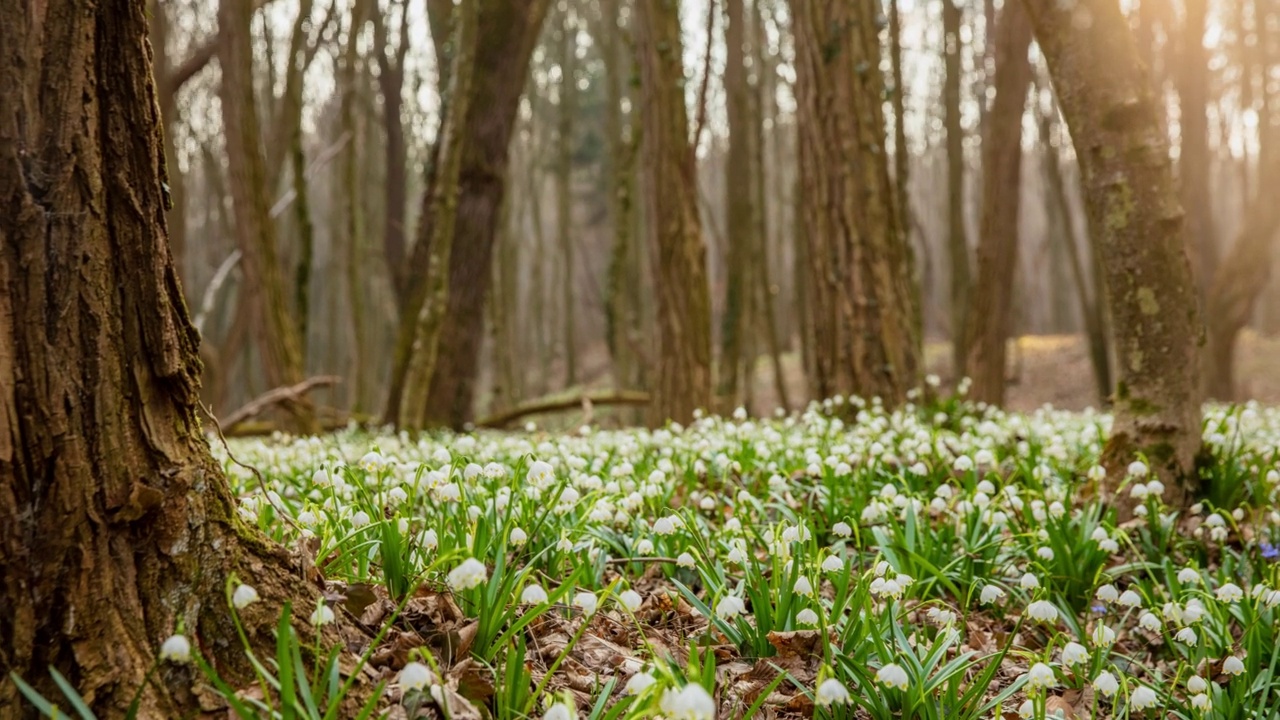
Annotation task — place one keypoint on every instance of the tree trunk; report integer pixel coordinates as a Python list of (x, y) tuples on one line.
[(859, 267), (509, 29), (739, 206), (901, 155), (957, 237), (391, 72), (121, 528), (1194, 160), (669, 188), (1136, 219), (990, 317), (352, 205), (278, 340), (568, 37)]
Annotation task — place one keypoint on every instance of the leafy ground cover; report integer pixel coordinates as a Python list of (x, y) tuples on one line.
[(940, 561)]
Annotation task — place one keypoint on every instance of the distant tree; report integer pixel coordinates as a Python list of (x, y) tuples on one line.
[(669, 190), (739, 203), (864, 334), (119, 527), (957, 235), (1135, 217), (990, 316), (1195, 162)]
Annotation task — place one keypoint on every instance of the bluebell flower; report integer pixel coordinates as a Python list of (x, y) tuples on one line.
[(1269, 551)]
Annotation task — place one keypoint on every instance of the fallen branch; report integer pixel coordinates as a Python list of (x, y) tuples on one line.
[(287, 393), (552, 405)]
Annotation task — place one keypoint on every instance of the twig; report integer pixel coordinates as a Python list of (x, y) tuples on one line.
[(211, 292), (262, 484), (282, 394), (624, 561)]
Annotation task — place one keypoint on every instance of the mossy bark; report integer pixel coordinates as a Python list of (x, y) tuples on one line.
[(121, 527), (1135, 216), (858, 277)]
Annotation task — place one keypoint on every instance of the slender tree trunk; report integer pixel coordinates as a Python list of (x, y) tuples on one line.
[(859, 263), (1135, 216), (990, 317), (120, 527), (391, 72), (278, 339), (1194, 160), (352, 206), (901, 155), (669, 188), (957, 237), (739, 204), (568, 37)]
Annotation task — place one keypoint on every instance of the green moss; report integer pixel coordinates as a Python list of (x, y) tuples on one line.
[(1136, 358), (1119, 206), (1147, 301), (1142, 406)]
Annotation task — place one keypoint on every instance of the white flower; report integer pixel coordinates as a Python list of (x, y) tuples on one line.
[(832, 563), (1074, 653), (1130, 599), (559, 711), (638, 683), (177, 649), (1107, 593), (1196, 684), (686, 560), (691, 702), (831, 692), (1029, 582), (1043, 610), (807, 618), (1201, 702), (803, 586), (991, 594), (730, 607), (1233, 665), (533, 595), (1041, 676), (429, 539), (360, 519), (1187, 636), (564, 545), (1137, 469), (1027, 709), (664, 526), (1230, 593), (630, 599), (519, 537), (841, 529), (587, 602), (1103, 635), (1186, 576), (1044, 553), (1106, 683), (1142, 698), (244, 596), (892, 675), (414, 676), (471, 573), (644, 547), (323, 615)]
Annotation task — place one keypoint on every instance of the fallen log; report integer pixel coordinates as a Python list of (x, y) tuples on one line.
[(552, 405), (271, 398)]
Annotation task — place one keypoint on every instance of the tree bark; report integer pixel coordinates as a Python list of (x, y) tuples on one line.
[(121, 525), (279, 342), (990, 316), (1194, 160), (391, 73), (568, 40), (957, 237), (740, 209), (1137, 221), (510, 29), (858, 278), (676, 247)]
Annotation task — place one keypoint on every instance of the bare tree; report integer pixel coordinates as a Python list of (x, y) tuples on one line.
[(121, 525), (957, 236), (1137, 221), (669, 189), (864, 338)]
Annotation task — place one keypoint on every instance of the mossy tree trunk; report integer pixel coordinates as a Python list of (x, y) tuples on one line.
[(120, 525), (1135, 217), (990, 315), (669, 190), (859, 287), (279, 341), (739, 206)]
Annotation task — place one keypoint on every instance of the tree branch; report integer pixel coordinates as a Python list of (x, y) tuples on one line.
[(552, 405)]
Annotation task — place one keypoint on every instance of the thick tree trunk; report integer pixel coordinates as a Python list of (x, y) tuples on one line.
[(864, 338), (510, 29), (990, 316), (1135, 216), (121, 526), (278, 339), (739, 206), (957, 237), (669, 188)]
